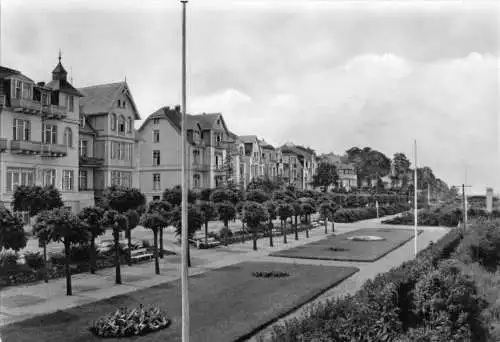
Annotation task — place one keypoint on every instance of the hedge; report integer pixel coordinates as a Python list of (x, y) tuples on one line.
[(346, 215), (380, 311)]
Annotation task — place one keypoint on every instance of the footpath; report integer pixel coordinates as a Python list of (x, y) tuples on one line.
[(18, 303)]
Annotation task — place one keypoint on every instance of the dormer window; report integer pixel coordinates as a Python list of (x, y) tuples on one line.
[(119, 104), (27, 91), (218, 121), (18, 89)]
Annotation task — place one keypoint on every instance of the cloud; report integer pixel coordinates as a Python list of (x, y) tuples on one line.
[(224, 101)]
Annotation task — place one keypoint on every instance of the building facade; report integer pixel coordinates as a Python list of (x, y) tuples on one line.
[(39, 130), (109, 145)]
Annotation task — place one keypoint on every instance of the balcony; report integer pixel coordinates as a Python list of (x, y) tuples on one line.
[(3, 100), (219, 168), (34, 107), (91, 161), (25, 147), (200, 167), (3, 144), (54, 150)]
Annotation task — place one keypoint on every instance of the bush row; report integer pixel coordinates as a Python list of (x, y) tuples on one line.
[(355, 201), (382, 310), (448, 217), (352, 215)]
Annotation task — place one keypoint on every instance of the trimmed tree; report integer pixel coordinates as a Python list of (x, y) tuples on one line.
[(209, 213), (307, 209), (118, 222), (227, 212), (174, 196), (154, 221), (133, 218), (163, 208), (43, 234), (253, 214), (326, 175), (34, 199), (256, 196), (11, 231), (91, 221), (271, 208), (297, 210), (325, 210), (285, 211), (195, 221), (65, 227), (224, 195)]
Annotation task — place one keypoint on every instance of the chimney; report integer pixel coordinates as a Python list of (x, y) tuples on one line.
[(41, 84)]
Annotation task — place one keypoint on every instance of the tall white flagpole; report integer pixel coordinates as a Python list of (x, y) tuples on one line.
[(184, 225), (415, 199)]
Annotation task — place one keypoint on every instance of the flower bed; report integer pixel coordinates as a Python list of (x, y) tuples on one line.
[(365, 238), (126, 322), (380, 311), (271, 274)]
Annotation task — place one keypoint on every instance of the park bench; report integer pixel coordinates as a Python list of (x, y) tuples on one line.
[(140, 254)]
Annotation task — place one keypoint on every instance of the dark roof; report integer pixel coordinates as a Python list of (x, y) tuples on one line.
[(173, 114), (248, 138), (207, 121), (59, 69), (63, 86), (100, 99)]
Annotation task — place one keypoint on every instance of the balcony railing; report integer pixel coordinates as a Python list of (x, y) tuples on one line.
[(25, 147), (91, 161), (219, 168), (54, 150), (200, 167), (3, 100), (34, 107), (3, 144)]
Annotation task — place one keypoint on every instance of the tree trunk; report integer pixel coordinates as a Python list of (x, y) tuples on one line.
[(189, 256), (284, 232), (226, 228), (296, 229), (161, 242), (254, 238), (333, 226), (118, 276), (92, 255), (45, 270), (307, 229), (206, 233), (129, 244), (326, 226), (270, 226), (66, 267), (157, 264)]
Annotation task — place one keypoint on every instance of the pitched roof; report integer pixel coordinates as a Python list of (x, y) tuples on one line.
[(100, 99), (88, 128), (6, 72), (207, 121), (248, 138), (173, 114)]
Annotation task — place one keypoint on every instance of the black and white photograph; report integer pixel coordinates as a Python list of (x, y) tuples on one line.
[(250, 170)]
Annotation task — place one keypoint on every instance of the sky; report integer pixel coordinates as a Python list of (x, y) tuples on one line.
[(325, 74)]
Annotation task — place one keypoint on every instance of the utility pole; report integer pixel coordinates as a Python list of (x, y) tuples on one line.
[(184, 179)]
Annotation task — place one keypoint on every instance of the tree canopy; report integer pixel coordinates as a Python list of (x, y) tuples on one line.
[(35, 199), (195, 220), (122, 199), (325, 176), (11, 231), (174, 196)]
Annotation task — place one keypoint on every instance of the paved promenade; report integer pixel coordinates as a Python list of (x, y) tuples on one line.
[(22, 302)]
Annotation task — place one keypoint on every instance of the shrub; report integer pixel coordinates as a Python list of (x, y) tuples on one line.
[(482, 244), (34, 260), (126, 322), (8, 258), (146, 244), (225, 232), (79, 253), (57, 259), (447, 301)]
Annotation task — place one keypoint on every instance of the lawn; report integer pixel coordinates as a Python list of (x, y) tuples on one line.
[(226, 304), (347, 250)]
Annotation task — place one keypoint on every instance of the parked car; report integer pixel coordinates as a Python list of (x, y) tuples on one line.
[(199, 241)]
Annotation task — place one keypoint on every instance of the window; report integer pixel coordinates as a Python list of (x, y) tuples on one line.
[(71, 106), (121, 125), (121, 151), (67, 184), (49, 177), (156, 157), (27, 91), (121, 178), (82, 180), (68, 137), (83, 147), (119, 104), (19, 176), (82, 121), (18, 89), (196, 157), (113, 122), (129, 126), (21, 130), (156, 181), (49, 134), (156, 135), (45, 99), (156, 121), (196, 180)]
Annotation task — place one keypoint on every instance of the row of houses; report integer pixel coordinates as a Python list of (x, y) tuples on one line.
[(83, 140)]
